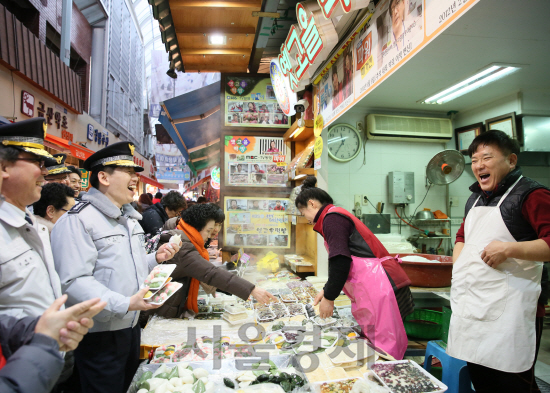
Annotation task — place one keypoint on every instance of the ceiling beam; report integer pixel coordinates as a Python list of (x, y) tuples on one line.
[(196, 31), (243, 4), (209, 67), (216, 51)]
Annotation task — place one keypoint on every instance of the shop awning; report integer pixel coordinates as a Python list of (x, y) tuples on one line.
[(76, 150), (150, 181), (80, 151), (193, 122)]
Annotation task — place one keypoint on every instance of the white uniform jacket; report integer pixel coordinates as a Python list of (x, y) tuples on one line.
[(29, 283), (99, 252)]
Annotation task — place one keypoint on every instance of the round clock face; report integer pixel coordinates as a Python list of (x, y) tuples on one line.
[(344, 142)]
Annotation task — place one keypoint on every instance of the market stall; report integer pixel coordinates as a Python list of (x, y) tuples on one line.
[(233, 344)]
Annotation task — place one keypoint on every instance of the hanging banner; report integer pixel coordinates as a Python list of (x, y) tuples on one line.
[(382, 43), (163, 87), (256, 161), (256, 222), (251, 102)]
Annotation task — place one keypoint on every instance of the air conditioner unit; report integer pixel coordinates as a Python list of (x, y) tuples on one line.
[(408, 128)]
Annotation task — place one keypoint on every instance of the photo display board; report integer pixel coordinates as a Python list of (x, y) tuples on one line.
[(256, 161), (251, 102), (256, 222)]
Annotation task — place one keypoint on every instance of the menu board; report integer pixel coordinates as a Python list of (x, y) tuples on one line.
[(256, 161), (256, 222), (251, 102)]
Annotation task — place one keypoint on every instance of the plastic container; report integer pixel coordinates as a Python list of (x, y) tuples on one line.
[(429, 275), (158, 276), (442, 387), (169, 290), (425, 324)]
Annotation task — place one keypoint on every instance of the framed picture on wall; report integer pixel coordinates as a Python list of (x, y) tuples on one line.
[(465, 135), (505, 123)]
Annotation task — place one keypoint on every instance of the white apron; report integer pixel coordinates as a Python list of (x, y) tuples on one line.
[(494, 309)]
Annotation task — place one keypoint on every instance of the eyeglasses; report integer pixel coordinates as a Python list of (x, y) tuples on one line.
[(41, 163)]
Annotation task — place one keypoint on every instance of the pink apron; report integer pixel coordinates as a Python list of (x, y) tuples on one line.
[(374, 306)]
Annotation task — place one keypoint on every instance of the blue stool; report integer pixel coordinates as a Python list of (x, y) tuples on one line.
[(455, 372)]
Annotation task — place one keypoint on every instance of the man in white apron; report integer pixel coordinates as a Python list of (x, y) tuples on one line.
[(497, 269)]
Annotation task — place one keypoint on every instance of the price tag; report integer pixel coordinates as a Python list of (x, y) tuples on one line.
[(245, 258), (279, 158)]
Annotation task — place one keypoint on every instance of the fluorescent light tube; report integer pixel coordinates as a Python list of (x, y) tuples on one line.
[(482, 78)]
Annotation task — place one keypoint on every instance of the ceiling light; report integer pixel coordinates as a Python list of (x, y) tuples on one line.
[(217, 39), (480, 79)]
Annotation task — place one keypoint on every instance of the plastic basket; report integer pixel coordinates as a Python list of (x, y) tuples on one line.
[(445, 322), (424, 324)]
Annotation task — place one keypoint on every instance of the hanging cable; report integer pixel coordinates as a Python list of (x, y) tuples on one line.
[(412, 226), (423, 199)]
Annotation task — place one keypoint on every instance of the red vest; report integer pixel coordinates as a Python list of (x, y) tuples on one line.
[(397, 275)]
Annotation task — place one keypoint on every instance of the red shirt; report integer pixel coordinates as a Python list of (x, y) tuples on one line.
[(535, 209)]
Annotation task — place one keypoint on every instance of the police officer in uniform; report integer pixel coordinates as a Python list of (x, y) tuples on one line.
[(99, 252), (57, 171)]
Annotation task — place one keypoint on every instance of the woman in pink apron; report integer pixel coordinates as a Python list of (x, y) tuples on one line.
[(361, 266)]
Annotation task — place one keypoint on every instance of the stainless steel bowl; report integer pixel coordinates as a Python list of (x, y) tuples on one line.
[(424, 215)]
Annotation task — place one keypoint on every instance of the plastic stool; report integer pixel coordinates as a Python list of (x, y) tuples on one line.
[(455, 371)]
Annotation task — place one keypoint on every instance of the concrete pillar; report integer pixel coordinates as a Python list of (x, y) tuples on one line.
[(65, 50)]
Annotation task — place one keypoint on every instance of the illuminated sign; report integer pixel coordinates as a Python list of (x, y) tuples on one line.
[(285, 96), (215, 178)]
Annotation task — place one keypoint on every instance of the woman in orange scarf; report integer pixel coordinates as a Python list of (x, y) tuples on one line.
[(196, 225)]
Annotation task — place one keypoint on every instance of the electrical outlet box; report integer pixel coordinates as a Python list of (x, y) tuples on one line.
[(365, 200), (357, 200), (401, 187), (454, 201), (359, 126)]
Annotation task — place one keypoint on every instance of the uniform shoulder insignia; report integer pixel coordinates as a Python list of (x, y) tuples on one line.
[(78, 207)]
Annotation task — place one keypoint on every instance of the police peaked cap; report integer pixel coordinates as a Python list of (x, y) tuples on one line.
[(26, 135), (118, 154), (56, 164)]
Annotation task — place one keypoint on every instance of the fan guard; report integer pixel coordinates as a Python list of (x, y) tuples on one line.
[(445, 167)]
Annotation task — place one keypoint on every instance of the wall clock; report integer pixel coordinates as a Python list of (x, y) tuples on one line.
[(344, 142)]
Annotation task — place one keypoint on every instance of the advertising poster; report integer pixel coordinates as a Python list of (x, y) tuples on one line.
[(251, 102), (389, 37), (337, 85), (256, 161), (256, 222), (396, 31)]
